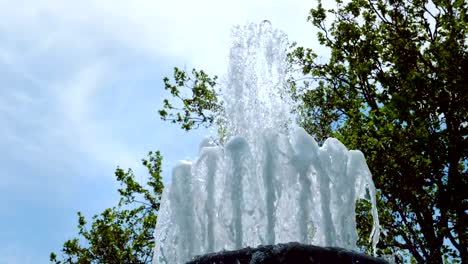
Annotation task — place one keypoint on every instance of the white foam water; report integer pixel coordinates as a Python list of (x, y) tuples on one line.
[(271, 182)]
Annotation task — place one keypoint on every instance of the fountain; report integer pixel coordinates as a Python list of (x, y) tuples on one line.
[(271, 182)]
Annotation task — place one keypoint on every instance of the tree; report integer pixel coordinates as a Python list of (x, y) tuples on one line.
[(202, 107), (124, 234), (121, 234), (396, 87)]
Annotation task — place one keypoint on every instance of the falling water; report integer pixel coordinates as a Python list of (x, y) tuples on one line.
[(271, 182)]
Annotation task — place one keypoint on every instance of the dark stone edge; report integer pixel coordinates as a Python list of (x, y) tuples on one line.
[(292, 252)]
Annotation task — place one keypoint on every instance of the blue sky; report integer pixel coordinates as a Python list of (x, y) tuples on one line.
[(80, 86)]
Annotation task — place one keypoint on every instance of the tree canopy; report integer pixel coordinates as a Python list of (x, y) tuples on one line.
[(395, 87), (121, 234)]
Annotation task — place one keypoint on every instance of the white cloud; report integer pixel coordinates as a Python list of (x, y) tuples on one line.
[(68, 74), (66, 50), (197, 31), (79, 105), (61, 54)]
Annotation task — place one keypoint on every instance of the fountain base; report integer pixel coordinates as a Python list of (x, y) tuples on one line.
[(287, 254)]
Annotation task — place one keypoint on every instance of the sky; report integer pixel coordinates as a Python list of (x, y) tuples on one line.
[(80, 86)]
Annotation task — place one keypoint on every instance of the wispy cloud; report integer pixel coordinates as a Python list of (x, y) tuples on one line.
[(79, 107), (68, 50), (80, 85), (197, 31)]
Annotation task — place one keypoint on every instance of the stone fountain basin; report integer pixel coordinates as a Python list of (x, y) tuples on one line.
[(289, 253)]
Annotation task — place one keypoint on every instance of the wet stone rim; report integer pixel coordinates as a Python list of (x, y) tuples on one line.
[(289, 253)]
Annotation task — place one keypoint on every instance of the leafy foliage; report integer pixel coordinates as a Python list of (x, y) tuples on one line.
[(201, 107), (121, 234), (396, 87)]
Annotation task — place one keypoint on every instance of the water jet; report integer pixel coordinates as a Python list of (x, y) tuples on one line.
[(271, 183)]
